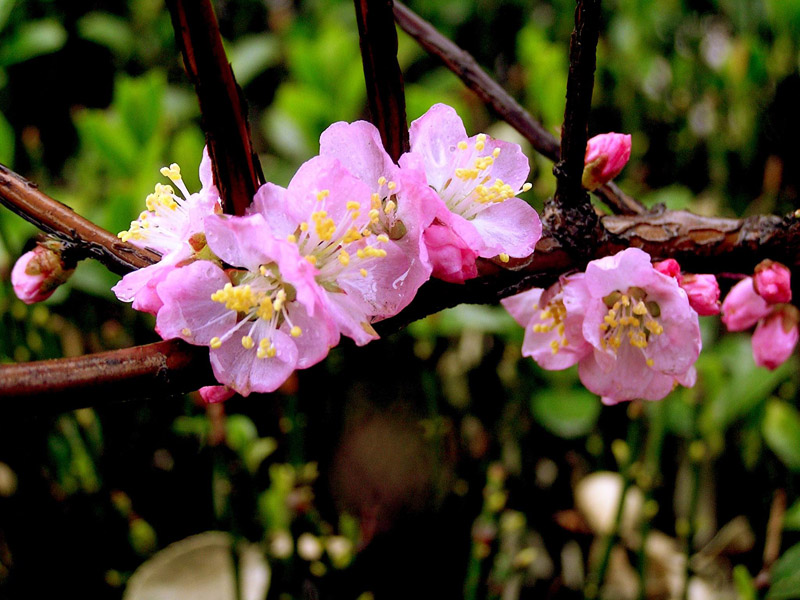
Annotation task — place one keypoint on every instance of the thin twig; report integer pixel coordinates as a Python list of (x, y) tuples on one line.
[(150, 371), (571, 210), (81, 237), (492, 93), (237, 171), (387, 103)]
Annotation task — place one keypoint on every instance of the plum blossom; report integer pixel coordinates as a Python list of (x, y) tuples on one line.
[(701, 289), (776, 333), (262, 319), (334, 221), (39, 272), (172, 225), (477, 180), (629, 327), (606, 155)]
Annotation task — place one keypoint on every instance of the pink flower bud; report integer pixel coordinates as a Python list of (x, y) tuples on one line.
[(212, 394), (38, 273), (703, 293), (742, 307), (452, 260), (669, 267), (775, 337), (606, 155), (772, 282)]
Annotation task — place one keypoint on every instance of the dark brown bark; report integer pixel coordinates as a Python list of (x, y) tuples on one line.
[(81, 238), (385, 95), (570, 214), (237, 171)]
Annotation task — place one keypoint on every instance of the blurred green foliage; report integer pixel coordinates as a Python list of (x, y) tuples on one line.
[(93, 101)]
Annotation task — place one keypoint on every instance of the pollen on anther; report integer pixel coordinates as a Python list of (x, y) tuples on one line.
[(247, 342), (363, 272), (215, 342), (296, 331), (504, 258), (186, 331)]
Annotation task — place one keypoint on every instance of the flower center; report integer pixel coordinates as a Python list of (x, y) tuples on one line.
[(630, 317)]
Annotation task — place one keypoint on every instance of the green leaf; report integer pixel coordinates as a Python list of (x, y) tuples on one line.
[(108, 30), (781, 431), (110, 139), (33, 39), (6, 142), (5, 11), (252, 55), (786, 576), (566, 413), (240, 431), (791, 520), (139, 102), (743, 581)]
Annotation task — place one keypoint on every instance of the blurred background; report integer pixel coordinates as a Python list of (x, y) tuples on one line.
[(437, 462)]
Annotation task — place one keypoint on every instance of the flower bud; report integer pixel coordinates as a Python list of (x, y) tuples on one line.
[(606, 155), (212, 394), (703, 293), (775, 337), (451, 258), (669, 267), (742, 307), (38, 273), (772, 282)]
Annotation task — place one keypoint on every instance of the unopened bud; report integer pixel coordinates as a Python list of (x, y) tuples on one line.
[(773, 282), (606, 155), (212, 394), (703, 293), (38, 273), (775, 337), (669, 267)]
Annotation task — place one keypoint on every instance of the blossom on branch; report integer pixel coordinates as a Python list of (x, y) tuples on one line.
[(477, 180), (629, 328), (39, 272), (606, 155)]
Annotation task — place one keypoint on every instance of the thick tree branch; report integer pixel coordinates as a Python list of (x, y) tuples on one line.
[(489, 91), (149, 371), (571, 210), (237, 171), (81, 237), (387, 104), (700, 244)]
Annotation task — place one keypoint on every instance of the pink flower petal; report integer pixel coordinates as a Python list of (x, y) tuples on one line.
[(511, 227)]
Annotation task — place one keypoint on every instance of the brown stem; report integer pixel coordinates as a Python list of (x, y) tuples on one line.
[(387, 104), (150, 371), (237, 171), (571, 209), (490, 92), (82, 238)]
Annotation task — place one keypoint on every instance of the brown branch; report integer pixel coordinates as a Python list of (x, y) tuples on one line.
[(81, 237), (237, 171), (150, 371), (571, 210), (490, 92), (387, 104)]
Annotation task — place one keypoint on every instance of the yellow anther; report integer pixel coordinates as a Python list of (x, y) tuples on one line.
[(280, 298), (462, 145), (215, 342), (496, 152), (480, 141), (483, 163), (173, 172), (554, 345), (322, 194), (375, 200), (247, 342), (640, 309), (353, 205), (526, 186), (363, 272), (390, 207), (296, 331), (264, 343), (650, 362), (381, 180), (291, 238), (391, 185), (352, 235), (312, 259), (265, 309), (382, 238), (504, 258), (374, 215), (344, 257), (186, 331), (303, 226)]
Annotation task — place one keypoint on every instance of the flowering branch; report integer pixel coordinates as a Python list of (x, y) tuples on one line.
[(492, 93), (237, 171), (570, 214), (81, 237), (387, 104)]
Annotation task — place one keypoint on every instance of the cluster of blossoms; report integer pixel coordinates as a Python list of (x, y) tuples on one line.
[(347, 243), (763, 300)]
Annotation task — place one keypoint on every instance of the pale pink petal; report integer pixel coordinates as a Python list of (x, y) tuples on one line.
[(240, 241), (617, 272), (703, 293), (511, 165), (359, 148), (743, 307), (451, 258), (213, 394), (140, 286), (317, 337), (275, 205), (511, 227), (435, 136), (523, 306)]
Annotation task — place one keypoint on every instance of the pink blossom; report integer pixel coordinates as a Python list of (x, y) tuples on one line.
[(172, 225), (477, 180), (213, 394), (669, 267), (38, 273), (261, 320), (333, 219), (743, 307), (606, 155), (405, 204), (772, 281), (629, 328), (703, 293), (453, 259), (775, 337)]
